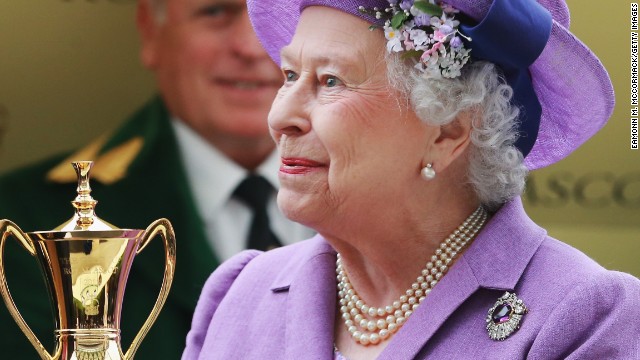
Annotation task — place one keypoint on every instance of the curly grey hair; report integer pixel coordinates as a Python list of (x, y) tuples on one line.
[(496, 170)]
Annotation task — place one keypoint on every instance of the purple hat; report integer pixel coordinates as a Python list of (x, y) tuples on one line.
[(563, 90)]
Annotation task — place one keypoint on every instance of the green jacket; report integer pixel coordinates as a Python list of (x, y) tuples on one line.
[(138, 177)]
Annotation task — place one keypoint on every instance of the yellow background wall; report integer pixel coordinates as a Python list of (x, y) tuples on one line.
[(592, 199), (69, 71)]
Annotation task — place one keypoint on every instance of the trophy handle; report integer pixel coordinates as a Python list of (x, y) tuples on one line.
[(7, 228), (162, 226)]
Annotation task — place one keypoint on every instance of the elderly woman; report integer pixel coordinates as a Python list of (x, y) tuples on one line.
[(406, 130)]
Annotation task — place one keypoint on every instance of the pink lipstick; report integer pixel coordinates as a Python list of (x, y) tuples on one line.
[(298, 165)]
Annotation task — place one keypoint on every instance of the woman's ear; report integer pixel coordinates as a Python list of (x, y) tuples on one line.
[(453, 139)]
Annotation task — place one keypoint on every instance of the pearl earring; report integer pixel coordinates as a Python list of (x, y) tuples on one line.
[(428, 173)]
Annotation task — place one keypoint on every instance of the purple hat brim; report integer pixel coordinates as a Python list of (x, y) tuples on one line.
[(576, 94), (572, 85), (275, 22)]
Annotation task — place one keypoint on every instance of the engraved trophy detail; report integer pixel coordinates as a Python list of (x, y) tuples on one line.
[(86, 262)]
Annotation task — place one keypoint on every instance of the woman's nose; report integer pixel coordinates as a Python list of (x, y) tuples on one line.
[(289, 113)]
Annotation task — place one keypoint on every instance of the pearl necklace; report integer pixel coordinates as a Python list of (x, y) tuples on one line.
[(371, 325)]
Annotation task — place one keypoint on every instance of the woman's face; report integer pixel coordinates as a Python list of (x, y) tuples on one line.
[(349, 144)]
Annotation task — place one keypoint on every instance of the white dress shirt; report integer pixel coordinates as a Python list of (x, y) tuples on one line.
[(212, 178)]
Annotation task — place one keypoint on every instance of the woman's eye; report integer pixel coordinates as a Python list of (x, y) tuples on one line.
[(290, 75), (332, 81)]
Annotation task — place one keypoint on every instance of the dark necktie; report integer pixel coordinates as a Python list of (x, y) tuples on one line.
[(255, 192)]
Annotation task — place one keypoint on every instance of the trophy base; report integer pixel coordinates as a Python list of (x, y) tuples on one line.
[(89, 344)]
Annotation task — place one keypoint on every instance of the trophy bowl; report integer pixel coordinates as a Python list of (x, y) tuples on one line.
[(86, 263)]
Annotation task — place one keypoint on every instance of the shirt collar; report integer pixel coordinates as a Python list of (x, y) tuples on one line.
[(209, 169)]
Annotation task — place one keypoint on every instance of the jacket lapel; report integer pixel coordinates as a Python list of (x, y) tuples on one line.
[(311, 304), (157, 169), (483, 265), (447, 296)]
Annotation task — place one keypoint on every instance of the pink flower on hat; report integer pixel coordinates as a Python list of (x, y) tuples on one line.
[(408, 42)]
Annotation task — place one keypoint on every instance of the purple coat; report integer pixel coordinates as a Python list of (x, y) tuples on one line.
[(282, 304)]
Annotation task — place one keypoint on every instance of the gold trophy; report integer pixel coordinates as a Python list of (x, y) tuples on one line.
[(86, 262)]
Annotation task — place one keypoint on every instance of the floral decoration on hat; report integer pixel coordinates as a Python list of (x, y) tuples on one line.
[(427, 31)]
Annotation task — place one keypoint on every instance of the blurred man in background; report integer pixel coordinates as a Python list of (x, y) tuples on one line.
[(190, 154)]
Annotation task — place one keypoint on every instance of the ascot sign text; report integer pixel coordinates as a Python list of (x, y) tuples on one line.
[(597, 189)]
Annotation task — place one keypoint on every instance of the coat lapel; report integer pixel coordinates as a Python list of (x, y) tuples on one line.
[(458, 285), (311, 305), (157, 169), (483, 265)]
